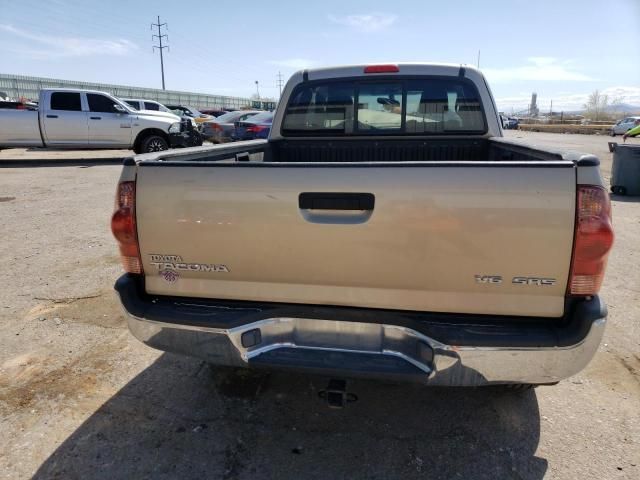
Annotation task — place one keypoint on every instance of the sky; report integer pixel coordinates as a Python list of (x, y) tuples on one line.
[(561, 49)]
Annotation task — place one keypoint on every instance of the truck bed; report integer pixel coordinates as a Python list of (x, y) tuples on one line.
[(368, 150)]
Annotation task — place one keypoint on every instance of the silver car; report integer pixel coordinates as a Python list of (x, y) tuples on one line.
[(219, 129), (623, 125)]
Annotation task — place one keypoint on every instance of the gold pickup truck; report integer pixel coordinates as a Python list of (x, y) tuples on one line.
[(385, 229)]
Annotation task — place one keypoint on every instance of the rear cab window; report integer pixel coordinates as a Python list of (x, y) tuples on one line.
[(151, 106), (401, 106), (68, 101)]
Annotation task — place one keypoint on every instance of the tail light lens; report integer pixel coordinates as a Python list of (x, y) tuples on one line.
[(256, 128), (593, 240), (123, 226)]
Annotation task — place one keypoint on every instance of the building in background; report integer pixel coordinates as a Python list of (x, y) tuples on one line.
[(533, 108), (28, 88)]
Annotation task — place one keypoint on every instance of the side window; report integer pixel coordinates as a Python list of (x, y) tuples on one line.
[(66, 101), (151, 106), (100, 103), (135, 105)]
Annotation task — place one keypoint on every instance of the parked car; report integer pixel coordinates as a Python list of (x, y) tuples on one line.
[(512, 123), (149, 105), (358, 241), (83, 119), (623, 125), (182, 110), (257, 126), (214, 112), (220, 130)]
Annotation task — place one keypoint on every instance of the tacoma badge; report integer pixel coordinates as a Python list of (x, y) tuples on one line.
[(175, 262)]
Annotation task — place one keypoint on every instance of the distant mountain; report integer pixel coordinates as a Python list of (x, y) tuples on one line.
[(624, 108), (620, 109)]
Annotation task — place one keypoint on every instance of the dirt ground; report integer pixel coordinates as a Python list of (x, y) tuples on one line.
[(80, 398)]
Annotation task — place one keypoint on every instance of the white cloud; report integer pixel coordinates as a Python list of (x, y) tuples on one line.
[(537, 69), (47, 46), (294, 63), (365, 22), (567, 101)]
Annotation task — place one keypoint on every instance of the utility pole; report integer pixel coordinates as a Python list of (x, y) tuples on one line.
[(257, 89), (280, 83), (160, 47)]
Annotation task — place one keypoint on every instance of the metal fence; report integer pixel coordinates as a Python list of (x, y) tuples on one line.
[(20, 86)]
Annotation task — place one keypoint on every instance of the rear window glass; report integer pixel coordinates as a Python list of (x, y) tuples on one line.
[(66, 101), (404, 106)]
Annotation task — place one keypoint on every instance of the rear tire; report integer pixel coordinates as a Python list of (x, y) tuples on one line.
[(617, 190), (152, 143), (612, 133)]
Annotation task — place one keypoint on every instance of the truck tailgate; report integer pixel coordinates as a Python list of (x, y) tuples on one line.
[(464, 237)]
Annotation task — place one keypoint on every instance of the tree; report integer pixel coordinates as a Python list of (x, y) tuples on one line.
[(596, 105)]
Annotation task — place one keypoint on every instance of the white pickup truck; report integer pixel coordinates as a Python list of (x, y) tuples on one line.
[(385, 229), (87, 119)]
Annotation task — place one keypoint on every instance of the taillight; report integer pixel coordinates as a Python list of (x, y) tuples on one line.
[(381, 69), (593, 240), (123, 226), (256, 128)]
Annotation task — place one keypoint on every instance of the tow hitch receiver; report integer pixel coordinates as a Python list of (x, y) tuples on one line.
[(336, 394)]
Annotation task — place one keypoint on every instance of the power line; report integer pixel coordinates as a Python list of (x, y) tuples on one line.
[(160, 47), (280, 83)]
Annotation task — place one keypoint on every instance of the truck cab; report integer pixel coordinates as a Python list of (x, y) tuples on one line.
[(68, 118)]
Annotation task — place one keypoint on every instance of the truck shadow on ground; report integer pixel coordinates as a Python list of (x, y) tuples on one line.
[(180, 418)]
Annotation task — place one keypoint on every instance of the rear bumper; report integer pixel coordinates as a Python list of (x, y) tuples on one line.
[(435, 349)]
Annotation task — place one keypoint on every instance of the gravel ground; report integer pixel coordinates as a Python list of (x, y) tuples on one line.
[(80, 398)]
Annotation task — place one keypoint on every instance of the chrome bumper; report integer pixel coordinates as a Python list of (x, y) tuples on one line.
[(356, 349)]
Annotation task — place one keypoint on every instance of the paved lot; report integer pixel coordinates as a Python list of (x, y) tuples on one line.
[(80, 398)]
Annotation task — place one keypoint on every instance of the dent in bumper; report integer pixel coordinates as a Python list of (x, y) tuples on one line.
[(365, 349)]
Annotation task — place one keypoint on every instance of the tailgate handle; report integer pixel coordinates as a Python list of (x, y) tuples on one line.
[(336, 201)]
